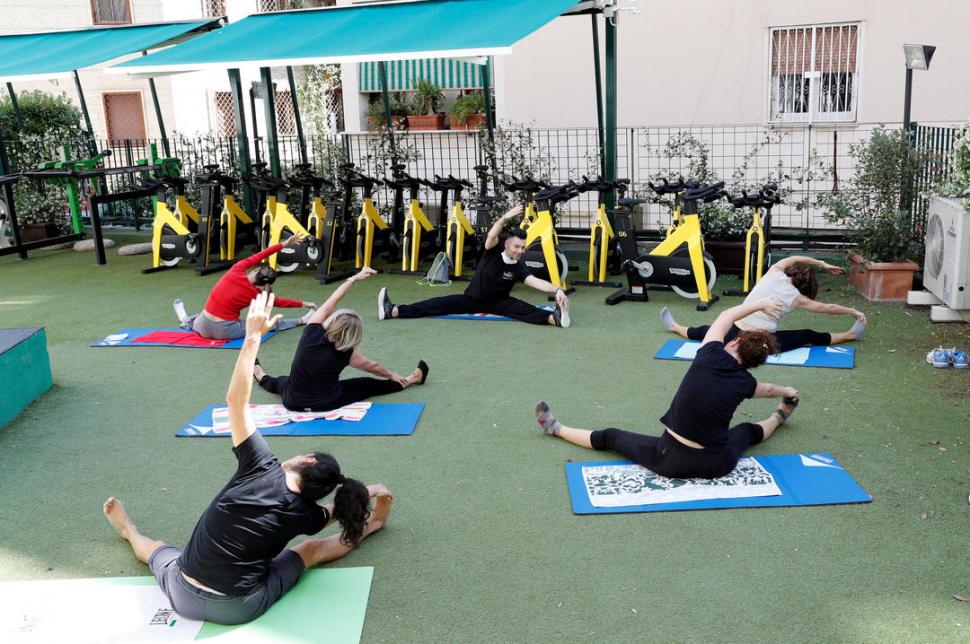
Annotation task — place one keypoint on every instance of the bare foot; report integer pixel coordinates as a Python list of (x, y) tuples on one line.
[(114, 510)]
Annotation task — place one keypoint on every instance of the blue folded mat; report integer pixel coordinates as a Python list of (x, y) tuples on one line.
[(485, 316), (804, 479), (382, 419), (130, 335), (837, 357)]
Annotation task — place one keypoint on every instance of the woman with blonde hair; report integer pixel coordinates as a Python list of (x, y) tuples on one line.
[(330, 342)]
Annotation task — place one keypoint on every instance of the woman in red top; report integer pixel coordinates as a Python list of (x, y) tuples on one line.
[(219, 320)]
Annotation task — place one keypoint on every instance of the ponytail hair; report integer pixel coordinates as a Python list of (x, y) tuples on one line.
[(352, 501), (803, 278), (264, 276)]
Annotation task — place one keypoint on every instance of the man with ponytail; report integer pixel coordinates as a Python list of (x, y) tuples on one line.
[(698, 441), (792, 282), (237, 563), (329, 344)]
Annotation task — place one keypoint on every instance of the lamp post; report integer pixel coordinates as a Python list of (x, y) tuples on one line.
[(917, 57)]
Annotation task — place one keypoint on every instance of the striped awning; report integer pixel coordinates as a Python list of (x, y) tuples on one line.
[(403, 75)]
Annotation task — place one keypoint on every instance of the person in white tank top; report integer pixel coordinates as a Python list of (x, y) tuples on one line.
[(791, 281)]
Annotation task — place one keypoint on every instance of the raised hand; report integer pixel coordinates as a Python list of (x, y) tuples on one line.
[(772, 307), (258, 320), (833, 270), (364, 273), (514, 212), (293, 240)]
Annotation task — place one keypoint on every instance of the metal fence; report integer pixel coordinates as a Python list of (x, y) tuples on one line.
[(807, 161)]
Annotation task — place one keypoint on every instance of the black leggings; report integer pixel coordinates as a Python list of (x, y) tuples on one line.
[(457, 304), (788, 339), (668, 457), (351, 390)]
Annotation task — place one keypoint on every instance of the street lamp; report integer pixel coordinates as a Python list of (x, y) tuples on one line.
[(917, 57)]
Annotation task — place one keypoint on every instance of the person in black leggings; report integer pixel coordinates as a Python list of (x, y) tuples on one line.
[(792, 281), (698, 441), (328, 345), (499, 269)]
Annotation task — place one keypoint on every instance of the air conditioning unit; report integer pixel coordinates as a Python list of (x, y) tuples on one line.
[(946, 267)]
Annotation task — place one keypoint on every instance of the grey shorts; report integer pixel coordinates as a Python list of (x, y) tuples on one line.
[(194, 603), (227, 329)]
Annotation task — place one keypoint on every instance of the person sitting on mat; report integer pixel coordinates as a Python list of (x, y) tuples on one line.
[(330, 343), (791, 281), (698, 441), (498, 270), (237, 563), (219, 320)]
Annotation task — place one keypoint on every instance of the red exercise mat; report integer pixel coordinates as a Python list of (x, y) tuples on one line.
[(188, 338)]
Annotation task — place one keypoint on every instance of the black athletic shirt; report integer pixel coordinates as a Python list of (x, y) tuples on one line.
[(315, 373), (248, 523), (494, 279), (709, 394)]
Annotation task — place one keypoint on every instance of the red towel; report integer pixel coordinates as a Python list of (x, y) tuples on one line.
[(187, 338)]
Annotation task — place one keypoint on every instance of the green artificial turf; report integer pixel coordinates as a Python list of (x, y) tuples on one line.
[(482, 544)]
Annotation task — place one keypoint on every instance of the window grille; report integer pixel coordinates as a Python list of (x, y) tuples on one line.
[(225, 116), (213, 8), (814, 73), (124, 118), (285, 119), (110, 12)]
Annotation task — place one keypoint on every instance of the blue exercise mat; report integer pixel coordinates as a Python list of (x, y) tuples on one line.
[(837, 357), (489, 317), (804, 479), (127, 337), (382, 419)]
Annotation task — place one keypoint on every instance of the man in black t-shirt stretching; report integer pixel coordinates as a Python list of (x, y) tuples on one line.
[(499, 269), (237, 564), (698, 441)]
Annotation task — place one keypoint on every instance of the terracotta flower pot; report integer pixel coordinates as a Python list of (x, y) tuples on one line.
[(881, 281), (426, 122), (473, 122)]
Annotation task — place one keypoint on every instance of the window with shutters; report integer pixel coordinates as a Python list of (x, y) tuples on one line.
[(124, 118), (814, 73), (111, 12), (213, 8), (225, 116)]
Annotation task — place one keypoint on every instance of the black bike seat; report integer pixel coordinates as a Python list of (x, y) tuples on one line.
[(630, 201)]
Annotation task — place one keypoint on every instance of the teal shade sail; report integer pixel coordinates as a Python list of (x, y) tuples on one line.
[(55, 53), (403, 75), (398, 31)]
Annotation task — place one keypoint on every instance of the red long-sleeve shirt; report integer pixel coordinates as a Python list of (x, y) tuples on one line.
[(233, 292)]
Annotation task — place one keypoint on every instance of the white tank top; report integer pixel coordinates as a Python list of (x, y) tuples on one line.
[(777, 285)]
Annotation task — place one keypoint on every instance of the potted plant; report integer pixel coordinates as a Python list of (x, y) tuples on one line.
[(375, 114), (886, 241), (427, 101), (467, 112), (724, 229)]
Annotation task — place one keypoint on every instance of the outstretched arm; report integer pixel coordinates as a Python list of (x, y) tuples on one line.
[(768, 390), (359, 361), (330, 305), (802, 302), (491, 240), (258, 322), (802, 260), (728, 317), (546, 286)]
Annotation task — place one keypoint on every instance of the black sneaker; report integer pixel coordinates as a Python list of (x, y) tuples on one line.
[(561, 317), (384, 305)]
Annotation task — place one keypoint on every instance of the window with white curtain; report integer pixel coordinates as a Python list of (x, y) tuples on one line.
[(814, 73)]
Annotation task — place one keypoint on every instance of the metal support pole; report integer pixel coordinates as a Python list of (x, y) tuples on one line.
[(597, 68), (242, 141), (92, 147), (158, 114), (269, 107), (252, 110), (16, 109), (388, 123), (907, 99), (609, 145), (296, 115), (490, 120)]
